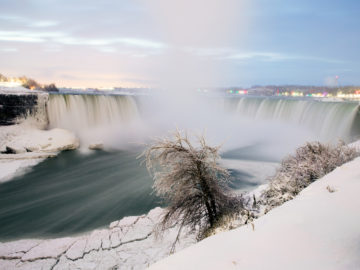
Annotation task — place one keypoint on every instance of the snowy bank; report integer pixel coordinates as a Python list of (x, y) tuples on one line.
[(23, 145), (319, 229), (126, 244)]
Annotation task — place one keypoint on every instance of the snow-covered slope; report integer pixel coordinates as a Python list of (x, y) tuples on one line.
[(319, 229)]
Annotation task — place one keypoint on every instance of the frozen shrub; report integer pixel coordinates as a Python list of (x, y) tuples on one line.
[(190, 181), (310, 162)]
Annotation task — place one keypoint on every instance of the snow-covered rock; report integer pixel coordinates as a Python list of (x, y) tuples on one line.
[(129, 243), (319, 229), (20, 90), (35, 140), (96, 146), (48, 249), (31, 146)]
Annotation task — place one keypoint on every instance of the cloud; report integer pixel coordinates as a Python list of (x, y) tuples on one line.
[(131, 42), (107, 49), (141, 43), (210, 51), (261, 56), (28, 22), (233, 54), (44, 24), (277, 57), (65, 39), (19, 37), (12, 18), (28, 36)]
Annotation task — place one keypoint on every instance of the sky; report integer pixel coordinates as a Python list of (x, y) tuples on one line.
[(151, 43)]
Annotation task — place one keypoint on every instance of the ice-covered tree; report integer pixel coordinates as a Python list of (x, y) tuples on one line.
[(309, 163), (190, 181)]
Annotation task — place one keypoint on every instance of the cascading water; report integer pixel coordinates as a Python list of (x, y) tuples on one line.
[(112, 119), (94, 118), (329, 121)]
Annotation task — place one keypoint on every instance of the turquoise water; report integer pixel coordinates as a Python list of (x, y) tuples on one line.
[(76, 192)]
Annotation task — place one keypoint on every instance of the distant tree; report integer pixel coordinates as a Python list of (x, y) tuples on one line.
[(191, 182), (31, 84), (50, 88), (309, 163), (2, 78)]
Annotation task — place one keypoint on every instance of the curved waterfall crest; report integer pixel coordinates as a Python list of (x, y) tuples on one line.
[(90, 110), (93, 118), (328, 120)]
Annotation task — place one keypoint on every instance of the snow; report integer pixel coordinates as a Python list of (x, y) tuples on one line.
[(16, 90), (31, 145), (12, 168), (318, 229), (48, 249), (356, 145), (24, 138), (129, 243)]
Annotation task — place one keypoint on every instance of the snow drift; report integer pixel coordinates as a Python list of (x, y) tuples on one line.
[(319, 229)]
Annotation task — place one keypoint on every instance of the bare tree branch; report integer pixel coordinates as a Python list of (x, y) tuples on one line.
[(190, 181)]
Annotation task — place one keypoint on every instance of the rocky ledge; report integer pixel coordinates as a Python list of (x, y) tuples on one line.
[(19, 103), (130, 243)]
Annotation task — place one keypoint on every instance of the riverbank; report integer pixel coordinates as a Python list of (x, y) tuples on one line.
[(24, 145), (129, 243), (132, 244), (316, 230)]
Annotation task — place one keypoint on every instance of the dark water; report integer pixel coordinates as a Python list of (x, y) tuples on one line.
[(76, 192), (252, 152)]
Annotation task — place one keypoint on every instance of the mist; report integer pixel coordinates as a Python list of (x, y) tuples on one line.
[(191, 28), (195, 30), (192, 31)]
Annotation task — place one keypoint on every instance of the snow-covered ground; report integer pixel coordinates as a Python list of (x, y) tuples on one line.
[(319, 229), (316, 230), (127, 244), (15, 90), (31, 145)]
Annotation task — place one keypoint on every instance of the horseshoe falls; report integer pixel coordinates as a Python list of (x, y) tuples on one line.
[(80, 190)]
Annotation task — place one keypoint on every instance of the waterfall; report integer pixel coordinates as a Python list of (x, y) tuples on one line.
[(94, 118), (327, 120), (110, 119)]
